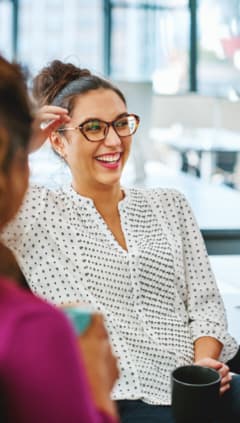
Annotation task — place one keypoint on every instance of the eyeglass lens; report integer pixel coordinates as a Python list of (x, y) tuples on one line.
[(96, 129)]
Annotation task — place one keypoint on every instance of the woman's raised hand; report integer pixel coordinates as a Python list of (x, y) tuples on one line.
[(100, 364), (46, 120)]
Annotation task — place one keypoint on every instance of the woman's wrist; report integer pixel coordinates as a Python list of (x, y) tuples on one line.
[(207, 347)]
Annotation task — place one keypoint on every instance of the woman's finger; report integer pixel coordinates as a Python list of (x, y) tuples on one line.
[(224, 370), (53, 124), (224, 388), (98, 325), (53, 109), (226, 379), (47, 117), (50, 113), (209, 362)]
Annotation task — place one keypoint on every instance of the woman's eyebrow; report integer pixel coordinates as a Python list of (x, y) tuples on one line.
[(100, 119)]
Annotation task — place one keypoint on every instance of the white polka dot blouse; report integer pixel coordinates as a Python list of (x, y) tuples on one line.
[(158, 297)]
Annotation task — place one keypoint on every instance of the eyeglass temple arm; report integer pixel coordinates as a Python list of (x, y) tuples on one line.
[(67, 129)]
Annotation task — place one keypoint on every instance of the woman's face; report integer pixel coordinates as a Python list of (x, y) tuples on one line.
[(16, 181), (95, 164)]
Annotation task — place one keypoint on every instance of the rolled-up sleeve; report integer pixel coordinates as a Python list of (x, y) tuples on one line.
[(204, 304)]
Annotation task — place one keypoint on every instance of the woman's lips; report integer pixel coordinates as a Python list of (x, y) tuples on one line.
[(109, 161)]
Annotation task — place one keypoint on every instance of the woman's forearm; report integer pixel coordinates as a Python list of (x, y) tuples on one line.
[(207, 346)]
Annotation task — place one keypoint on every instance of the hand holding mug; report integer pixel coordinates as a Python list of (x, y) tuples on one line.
[(222, 369), (100, 363)]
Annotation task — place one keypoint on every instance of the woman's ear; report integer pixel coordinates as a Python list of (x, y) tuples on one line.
[(58, 143)]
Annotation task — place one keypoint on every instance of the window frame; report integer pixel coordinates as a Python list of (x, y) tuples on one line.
[(108, 6)]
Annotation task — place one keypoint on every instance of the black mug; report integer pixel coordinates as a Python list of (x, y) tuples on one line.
[(195, 394)]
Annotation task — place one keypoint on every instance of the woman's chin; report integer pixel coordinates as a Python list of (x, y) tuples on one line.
[(109, 176), (110, 180)]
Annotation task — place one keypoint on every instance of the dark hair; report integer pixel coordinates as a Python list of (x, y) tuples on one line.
[(60, 83), (15, 116)]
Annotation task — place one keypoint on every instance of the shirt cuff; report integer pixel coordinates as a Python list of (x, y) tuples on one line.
[(203, 328)]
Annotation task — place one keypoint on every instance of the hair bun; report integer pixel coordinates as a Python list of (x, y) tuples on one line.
[(53, 78)]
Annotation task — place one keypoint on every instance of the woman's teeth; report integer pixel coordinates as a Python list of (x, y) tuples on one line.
[(110, 158)]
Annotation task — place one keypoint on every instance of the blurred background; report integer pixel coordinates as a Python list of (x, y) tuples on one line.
[(131, 39), (152, 49)]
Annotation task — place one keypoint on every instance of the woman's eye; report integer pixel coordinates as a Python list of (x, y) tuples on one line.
[(92, 126), (121, 123)]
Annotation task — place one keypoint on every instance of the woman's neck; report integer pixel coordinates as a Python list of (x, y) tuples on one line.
[(105, 198)]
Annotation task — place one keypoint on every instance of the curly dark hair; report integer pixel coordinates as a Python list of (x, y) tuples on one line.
[(61, 83)]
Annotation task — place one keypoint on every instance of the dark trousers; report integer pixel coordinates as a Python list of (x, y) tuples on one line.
[(136, 411)]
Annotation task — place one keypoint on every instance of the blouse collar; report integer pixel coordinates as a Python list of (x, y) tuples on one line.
[(81, 199)]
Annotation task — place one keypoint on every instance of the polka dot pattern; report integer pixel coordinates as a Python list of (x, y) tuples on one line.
[(157, 298)]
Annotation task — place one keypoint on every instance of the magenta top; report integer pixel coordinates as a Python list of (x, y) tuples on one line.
[(42, 378)]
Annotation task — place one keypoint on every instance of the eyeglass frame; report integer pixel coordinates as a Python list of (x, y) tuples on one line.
[(80, 127)]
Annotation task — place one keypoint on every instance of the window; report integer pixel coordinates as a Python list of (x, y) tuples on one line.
[(219, 47), (151, 41), (64, 29), (6, 29)]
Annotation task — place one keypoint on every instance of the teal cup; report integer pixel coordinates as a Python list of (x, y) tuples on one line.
[(79, 317)]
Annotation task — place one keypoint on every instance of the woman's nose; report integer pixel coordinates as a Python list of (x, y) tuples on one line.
[(112, 138)]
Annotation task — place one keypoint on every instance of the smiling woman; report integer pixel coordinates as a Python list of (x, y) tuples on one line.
[(136, 255)]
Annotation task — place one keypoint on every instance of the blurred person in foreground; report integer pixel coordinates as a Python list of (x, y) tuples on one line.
[(137, 255), (42, 375)]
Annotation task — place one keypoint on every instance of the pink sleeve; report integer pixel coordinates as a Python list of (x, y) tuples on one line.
[(44, 378)]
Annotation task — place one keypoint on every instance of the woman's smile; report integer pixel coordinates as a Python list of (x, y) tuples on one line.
[(109, 160)]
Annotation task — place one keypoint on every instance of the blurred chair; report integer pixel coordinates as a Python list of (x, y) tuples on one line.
[(229, 118), (188, 111), (229, 114), (192, 111), (139, 100)]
